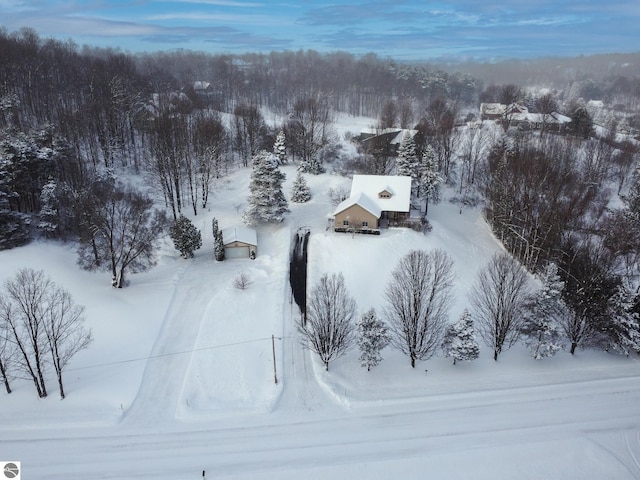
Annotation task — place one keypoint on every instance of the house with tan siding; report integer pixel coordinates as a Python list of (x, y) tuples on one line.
[(376, 201)]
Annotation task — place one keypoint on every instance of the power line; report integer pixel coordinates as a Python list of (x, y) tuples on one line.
[(150, 357)]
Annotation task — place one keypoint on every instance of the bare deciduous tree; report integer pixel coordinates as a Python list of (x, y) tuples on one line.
[(328, 329), (498, 298), (249, 129), (22, 309), (309, 126), (40, 318), (63, 326), (7, 350), (123, 227), (418, 299)]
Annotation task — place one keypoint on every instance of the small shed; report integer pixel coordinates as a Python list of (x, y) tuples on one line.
[(240, 242)]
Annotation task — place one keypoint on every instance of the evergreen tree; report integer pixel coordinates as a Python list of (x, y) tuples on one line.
[(581, 123), (218, 242), (48, 212), (460, 340), (430, 180), (624, 329), (312, 166), (280, 148), (300, 192), (267, 203), (407, 163), (373, 336), (540, 330), (186, 237)]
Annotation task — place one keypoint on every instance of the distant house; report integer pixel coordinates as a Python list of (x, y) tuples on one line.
[(240, 242), (206, 92), (517, 115), (498, 111), (376, 201), (553, 122), (202, 86), (388, 139)]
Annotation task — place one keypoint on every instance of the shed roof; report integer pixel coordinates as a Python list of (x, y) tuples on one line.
[(239, 233)]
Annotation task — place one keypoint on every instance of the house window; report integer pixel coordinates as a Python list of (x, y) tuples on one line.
[(345, 223), (365, 224), (384, 195)]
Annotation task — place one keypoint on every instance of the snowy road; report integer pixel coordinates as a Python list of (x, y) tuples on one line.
[(529, 432)]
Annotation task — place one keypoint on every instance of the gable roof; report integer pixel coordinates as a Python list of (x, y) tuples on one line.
[(366, 188), (362, 199), (239, 233), (394, 135), (551, 118), (500, 109)]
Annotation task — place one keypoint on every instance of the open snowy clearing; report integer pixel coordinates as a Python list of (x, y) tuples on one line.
[(180, 377)]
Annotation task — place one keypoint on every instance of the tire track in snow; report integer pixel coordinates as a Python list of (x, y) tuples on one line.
[(163, 376)]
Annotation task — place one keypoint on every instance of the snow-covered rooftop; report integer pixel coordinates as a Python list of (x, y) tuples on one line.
[(362, 199), (239, 233), (365, 190)]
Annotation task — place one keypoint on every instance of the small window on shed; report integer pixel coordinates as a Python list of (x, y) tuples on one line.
[(365, 224), (345, 223)]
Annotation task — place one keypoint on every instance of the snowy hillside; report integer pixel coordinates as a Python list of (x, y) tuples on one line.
[(180, 377)]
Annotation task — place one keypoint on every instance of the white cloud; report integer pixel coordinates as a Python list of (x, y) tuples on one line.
[(221, 3), (222, 17)]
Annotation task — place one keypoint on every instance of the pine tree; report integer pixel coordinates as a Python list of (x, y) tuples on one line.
[(280, 148), (48, 211), (218, 242), (186, 237), (300, 192), (373, 336), (540, 329), (430, 180), (460, 340), (407, 163), (267, 203), (312, 166), (624, 327)]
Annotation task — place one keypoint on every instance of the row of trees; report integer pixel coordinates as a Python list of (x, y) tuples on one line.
[(506, 308), (40, 328)]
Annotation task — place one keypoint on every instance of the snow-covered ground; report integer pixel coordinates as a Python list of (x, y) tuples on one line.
[(180, 377)]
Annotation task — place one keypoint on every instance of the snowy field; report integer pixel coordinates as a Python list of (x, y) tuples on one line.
[(180, 376)]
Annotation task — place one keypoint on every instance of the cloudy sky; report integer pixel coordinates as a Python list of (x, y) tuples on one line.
[(403, 29)]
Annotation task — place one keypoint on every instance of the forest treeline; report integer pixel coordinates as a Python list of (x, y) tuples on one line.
[(75, 122)]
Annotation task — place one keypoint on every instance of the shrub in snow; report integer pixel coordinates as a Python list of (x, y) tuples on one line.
[(312, 166), (186, 237), (242, 281)]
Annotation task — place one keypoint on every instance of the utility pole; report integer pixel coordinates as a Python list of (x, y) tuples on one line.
[(273, 349)]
